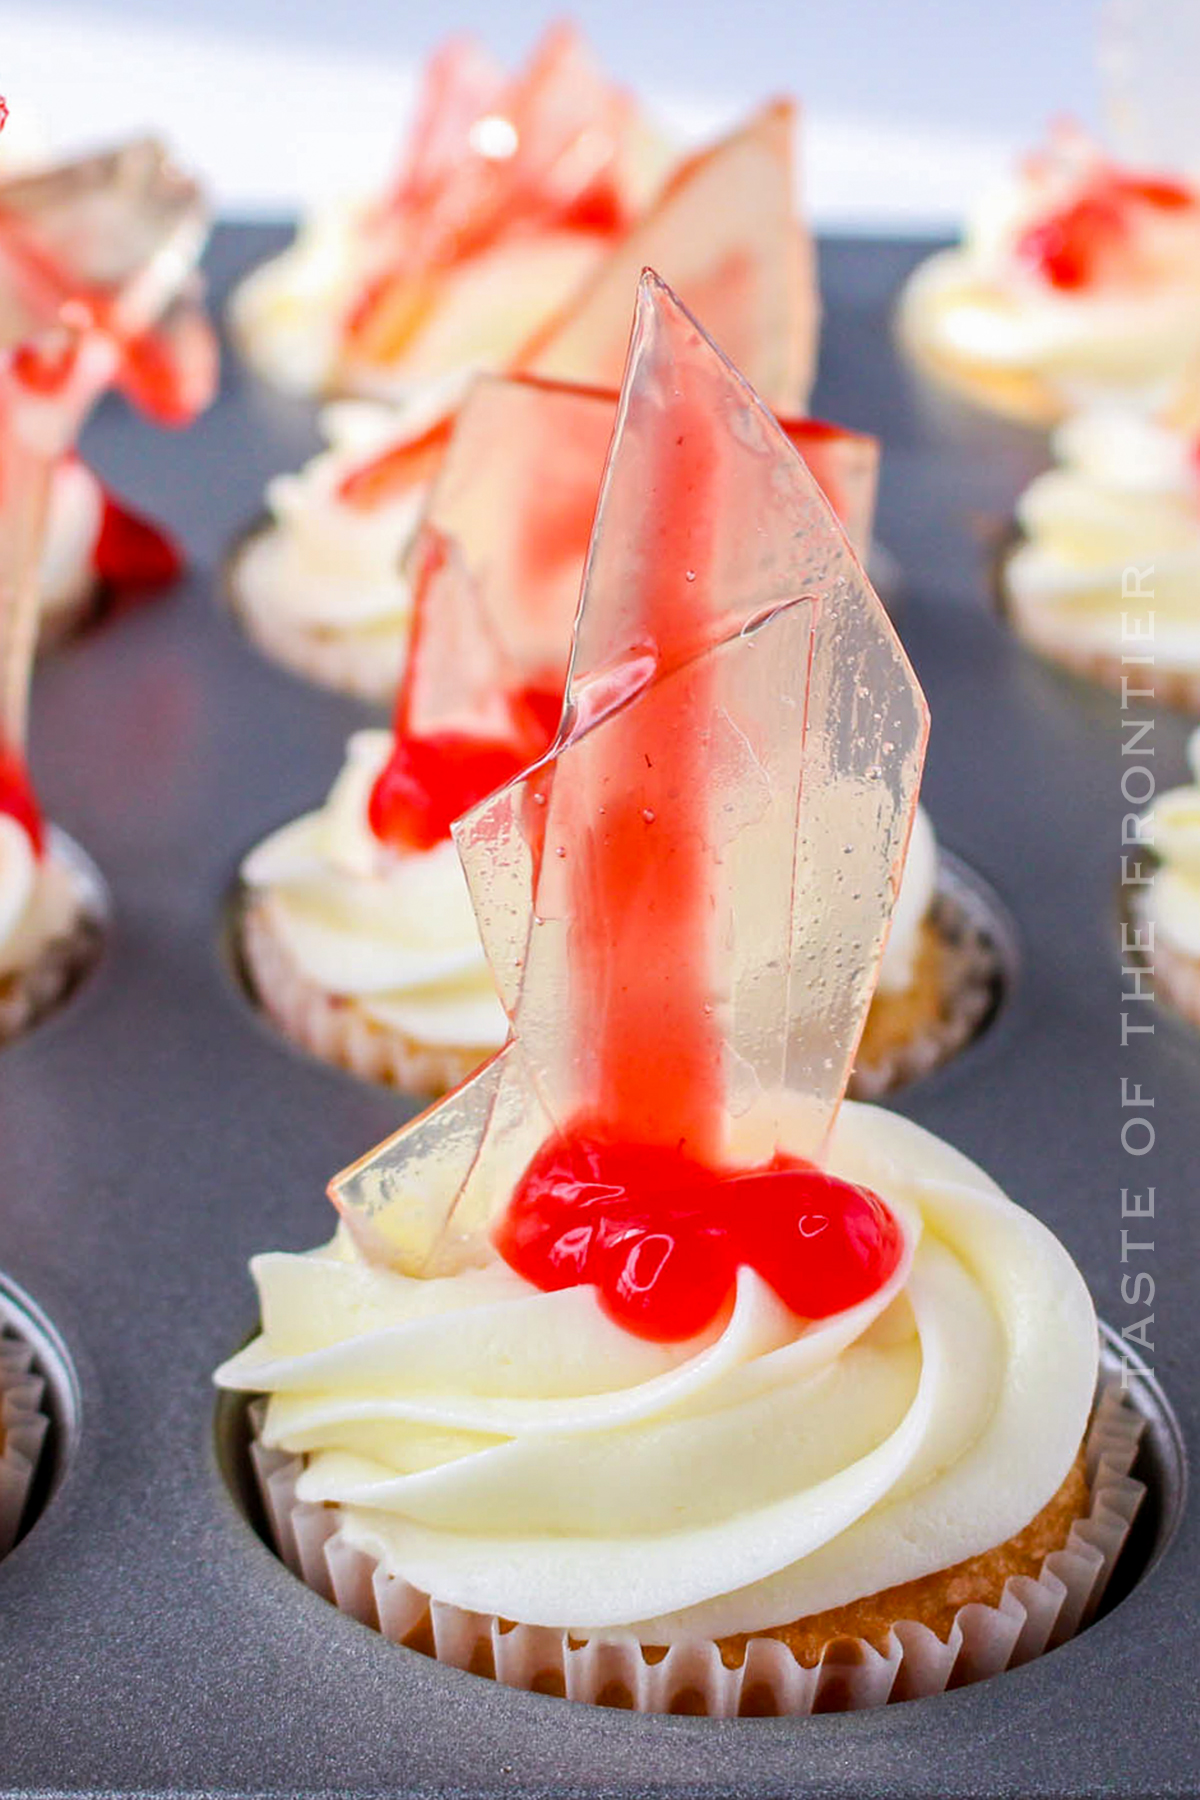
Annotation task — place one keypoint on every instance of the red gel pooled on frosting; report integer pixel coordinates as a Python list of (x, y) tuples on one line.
[(18, 800), (132, 556), (662, 1236), (1072, 248), (429, 782)]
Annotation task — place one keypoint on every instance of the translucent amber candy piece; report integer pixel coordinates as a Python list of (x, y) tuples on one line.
[(686, 902)]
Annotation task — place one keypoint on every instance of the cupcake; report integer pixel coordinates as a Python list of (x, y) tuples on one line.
[(322, 585), (97, 553), (356, 929), (1166, 924), (1077, 281), (1108, 566), (643, 1369), (508, 191), (78, 326)]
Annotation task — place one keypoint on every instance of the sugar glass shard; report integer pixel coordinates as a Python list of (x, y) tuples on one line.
[(725, 233), (686, 901), (543, 151), (93, 254)]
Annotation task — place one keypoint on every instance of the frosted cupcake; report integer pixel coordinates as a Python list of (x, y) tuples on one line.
[(643, 1370), (1077, 280), (323, 585), (1166, 927), (508, 191), (1109, 565), (95, 259)]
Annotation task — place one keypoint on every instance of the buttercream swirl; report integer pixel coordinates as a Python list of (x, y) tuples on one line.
[(1171, 828), (323, 565), (1124, 495), (986, 312), (74, 517), (393, 930), (515, 1452), (39, 899)]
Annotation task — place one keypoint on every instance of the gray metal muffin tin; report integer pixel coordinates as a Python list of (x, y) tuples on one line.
[(155, 1133)]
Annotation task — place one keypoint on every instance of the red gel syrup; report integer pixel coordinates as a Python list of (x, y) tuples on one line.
[(132, 556), (429, 782), (1070, 248), (18, 800), (662, 1236)]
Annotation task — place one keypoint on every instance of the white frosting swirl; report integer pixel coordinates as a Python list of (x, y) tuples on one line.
[(981, 306), (516, 1452), (287, 315), (395, 931), (327, 566), (39, 899), (1125, 495), (74, 516), (1171, 828)]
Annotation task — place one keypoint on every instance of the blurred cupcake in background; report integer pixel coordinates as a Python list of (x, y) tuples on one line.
[(322, 585), (1109, 563), (1077, 280), (508, 190), (1167, 910)]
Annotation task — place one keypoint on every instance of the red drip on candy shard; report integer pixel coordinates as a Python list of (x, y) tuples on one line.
[(685, 902)]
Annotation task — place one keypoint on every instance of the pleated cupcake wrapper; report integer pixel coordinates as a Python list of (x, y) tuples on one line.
[(26, 995), (1033, 1615), (365, 664), (337, 1028), (969, 972), (23, 1427)]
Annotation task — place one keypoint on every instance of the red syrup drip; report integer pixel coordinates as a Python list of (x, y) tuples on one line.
[(132, 556), (662, 1236), (1070, 248), (18, 800), (428, 782)]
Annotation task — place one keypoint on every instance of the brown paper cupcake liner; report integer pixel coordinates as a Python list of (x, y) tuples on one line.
[(336, 1027), (27, 995), (365, 665), (23, 1427), (692, 1676), (968, 974)]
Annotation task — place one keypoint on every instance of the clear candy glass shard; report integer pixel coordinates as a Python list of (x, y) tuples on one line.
[(846, 467), (422, 1200), (686, 901), (522, 519), (457, 678), (118, 234), (725, 234)]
